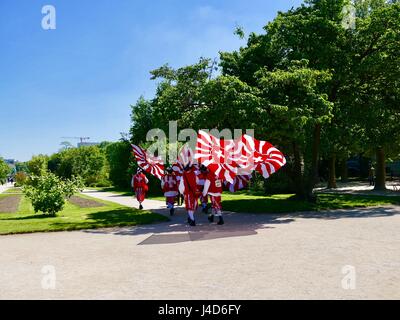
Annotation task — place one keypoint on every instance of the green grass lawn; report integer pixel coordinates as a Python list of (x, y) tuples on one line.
[(158, 198), (284, 203), (245, 201), (74, 218)]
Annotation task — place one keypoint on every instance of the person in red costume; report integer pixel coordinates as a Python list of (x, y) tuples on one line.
[(213, 188), (169, 185), (202, 179), (140, 187), (188, 187)]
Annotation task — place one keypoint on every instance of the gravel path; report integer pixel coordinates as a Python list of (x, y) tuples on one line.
[(10, 203), (345, 254)]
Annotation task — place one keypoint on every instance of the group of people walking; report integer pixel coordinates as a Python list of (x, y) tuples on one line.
[(196, 185)]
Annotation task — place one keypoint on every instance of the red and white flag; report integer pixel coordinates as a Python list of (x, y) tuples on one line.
[(265, 158), (240, 182), (216, 155), (229, 158), (185, 158), (150, 164)]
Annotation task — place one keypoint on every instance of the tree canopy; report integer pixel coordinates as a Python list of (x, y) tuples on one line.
[(311, 84)]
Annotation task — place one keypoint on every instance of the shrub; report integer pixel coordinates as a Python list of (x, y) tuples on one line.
[(20, 179), (37, 166), (104, 183), (279, 183), (49, 192)]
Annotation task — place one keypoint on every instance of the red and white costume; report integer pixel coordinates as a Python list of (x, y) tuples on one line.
[(188, 187), (213, 187), (169, 184), (139, 184), (201, 180)]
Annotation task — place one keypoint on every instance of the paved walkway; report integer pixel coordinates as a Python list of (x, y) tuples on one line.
[(5, 187), (357, 187), (346, 254), (125, 200)]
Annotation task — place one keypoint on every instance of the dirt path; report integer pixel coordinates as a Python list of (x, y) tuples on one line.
[(345, 254), (10, 203)]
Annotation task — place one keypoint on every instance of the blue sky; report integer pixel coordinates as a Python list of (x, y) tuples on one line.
[(80, 79)]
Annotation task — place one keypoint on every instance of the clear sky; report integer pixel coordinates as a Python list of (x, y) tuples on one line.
[(80, 79)]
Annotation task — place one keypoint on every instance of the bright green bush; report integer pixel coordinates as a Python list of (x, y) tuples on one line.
[(20, 179), (48, 192), (37, 166), (89, 162)]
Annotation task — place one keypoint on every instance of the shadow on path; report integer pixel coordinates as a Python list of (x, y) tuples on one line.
[(236, 224), (176, 230)]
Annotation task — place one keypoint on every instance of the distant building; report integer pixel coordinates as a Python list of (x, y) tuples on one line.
[(87, 144), (10, 162)]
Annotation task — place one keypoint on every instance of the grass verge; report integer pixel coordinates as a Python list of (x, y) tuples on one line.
[(25, 220)]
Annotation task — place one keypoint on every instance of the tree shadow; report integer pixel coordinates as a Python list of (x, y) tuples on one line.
[(237, 224), (113, 218), (370, 212), (266, 205), (31, 217), (177, 230)]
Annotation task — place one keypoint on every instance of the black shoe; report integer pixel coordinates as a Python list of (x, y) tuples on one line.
[(140, 207), (220, 221), (211, 218), (171, 211), (205, 210), (192, 223)]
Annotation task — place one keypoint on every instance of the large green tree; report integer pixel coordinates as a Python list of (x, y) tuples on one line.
[(4, 170), (374, 85), (312, 33), (119, 157), (296, 108), (307, 78)]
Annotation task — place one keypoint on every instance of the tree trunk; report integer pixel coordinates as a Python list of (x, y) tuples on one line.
[(380, 183), (313, 170), (297, 175), (332, 172), (344, 173)]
